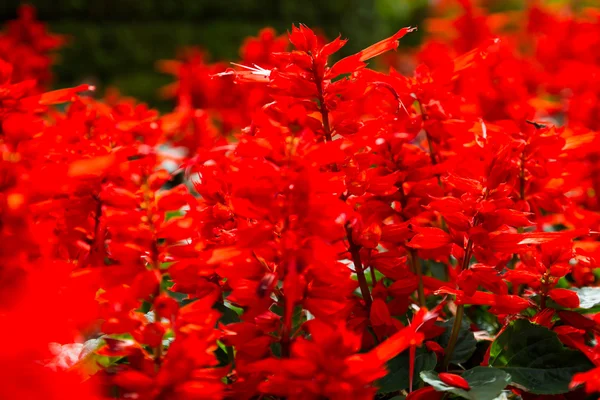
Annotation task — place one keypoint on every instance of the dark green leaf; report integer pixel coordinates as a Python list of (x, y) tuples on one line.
[(181, 298), (276, 349), (593, 310), (145, 307), (438, 270), (536, 359), (465, 345), (221, 354), (486, 383), (485, 320), (228, 316), (90, 362), (298, 317), (398, 367)]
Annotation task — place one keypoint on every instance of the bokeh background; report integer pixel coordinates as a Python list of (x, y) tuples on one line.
[(117, 42)]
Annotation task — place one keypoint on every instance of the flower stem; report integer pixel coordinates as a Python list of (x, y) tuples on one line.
[(323, 110), (358, 267), (322, 107), (428, 137), (285, 335), (460, 310), (416, 267)]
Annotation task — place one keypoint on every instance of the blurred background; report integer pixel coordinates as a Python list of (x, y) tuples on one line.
[(117, 42)]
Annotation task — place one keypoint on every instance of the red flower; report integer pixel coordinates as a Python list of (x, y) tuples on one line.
[(589, 379), (454, 380), (328, 366), (283, 230)]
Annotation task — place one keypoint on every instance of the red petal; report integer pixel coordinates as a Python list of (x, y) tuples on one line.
[(333, 47), (134, 381), (356, 61), (63, 95), (384, 45), (92, 167), (429, 238), (395, 345), (428, 393), (564, 297), (380, 315), (546, 237), (454, 380)]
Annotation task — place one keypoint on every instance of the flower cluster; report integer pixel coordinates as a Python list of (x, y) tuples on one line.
[(28, 46), (303, 226)]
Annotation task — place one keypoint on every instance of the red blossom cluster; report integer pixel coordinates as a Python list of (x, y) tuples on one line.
[(302, 226), (28, 47)]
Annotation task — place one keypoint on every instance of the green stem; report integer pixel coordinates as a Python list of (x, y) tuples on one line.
[(358, 267), (429, 142), (158, 351), (460, 311), (286, 329), (323, 110), (373, 276), (416, 267)]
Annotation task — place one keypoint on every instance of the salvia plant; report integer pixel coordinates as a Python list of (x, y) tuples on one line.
[(304, 226)]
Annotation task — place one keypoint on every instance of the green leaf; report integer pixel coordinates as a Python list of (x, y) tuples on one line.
[(181, 298), (438, 270), (536, 359), (485, 320), (486, 383), (465, 345), (90, 362), (221, 354), (276, 349), (173, 214), (145, 307), (589, 297), (398, 367), (228, 315), (563, 283)]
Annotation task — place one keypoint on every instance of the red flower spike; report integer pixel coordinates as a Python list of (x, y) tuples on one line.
[(290, 211)]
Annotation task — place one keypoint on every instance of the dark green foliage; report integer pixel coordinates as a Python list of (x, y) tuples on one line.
[(117, 42), (399, 372), (466, 343), (536, 359), (486, 383)]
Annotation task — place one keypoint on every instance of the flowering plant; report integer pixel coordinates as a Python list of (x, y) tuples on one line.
[(303, 226)]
